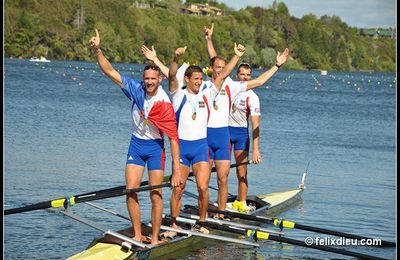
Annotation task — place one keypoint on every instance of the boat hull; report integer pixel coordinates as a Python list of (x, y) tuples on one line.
[(108, 247)]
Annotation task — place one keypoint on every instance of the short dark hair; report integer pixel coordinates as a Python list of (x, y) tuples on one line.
[(213, 59), (243, 65), (191, 69), (152, 67)]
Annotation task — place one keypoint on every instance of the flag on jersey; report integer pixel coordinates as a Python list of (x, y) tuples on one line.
[(162, 113)]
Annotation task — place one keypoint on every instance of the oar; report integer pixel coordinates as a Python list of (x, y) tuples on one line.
[(290, 224), (95, 195), (183, 231), (232, 224), (229, 227), (254, 234), (69, 201), (210, 236)]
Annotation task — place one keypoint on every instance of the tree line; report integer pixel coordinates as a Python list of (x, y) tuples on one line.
[(61, 29)]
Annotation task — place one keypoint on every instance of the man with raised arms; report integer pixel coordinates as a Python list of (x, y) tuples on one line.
[(152, 115), (192, 107), (246, 104), (218, 125)]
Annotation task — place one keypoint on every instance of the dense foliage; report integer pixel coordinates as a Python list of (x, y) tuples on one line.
[(61, 29)]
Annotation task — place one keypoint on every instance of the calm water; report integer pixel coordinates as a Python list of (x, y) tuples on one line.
[(67, 128)]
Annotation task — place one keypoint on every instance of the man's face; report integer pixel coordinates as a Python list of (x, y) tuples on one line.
[(194, 82), (218, 66), (152, 80), (244, 74)]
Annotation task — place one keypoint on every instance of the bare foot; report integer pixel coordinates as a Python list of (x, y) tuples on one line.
[(141, 238), (158, 242), (171, 234)]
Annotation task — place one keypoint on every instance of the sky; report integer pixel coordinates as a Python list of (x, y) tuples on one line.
[(355, 13)]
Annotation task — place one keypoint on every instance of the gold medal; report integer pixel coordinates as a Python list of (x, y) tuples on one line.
[(194, 116), (146, 122), (215, 106), (234, 108)]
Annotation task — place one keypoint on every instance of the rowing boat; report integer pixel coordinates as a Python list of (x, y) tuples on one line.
[(109, 246)]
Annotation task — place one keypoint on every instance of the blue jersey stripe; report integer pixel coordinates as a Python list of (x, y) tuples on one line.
[(178, 112)]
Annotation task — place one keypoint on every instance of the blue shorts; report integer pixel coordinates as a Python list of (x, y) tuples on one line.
[(192, 152), (150, 152), (219, 143), (239, 138)]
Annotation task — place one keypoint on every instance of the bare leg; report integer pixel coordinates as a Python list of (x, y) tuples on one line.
[(155, 178), (202, 173), (241, 172), (223, 167), (176, 196), (133, 176)]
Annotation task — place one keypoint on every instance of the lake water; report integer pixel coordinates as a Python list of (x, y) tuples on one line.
[(67, 129)]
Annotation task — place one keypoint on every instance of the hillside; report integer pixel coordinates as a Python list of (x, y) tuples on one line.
[(61, 29)]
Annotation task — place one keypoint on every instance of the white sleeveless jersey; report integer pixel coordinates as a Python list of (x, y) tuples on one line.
[(192, 112), (220, 108), (246, 104)]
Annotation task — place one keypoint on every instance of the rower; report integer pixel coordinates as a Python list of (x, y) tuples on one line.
[(245, 105), (152, 115), (218, 130), (192, 107), (190, 103)]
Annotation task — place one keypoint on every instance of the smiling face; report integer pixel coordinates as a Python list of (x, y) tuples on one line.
[(243, 74), (152, 79), (194, 82), (193, 79), (218, 64)]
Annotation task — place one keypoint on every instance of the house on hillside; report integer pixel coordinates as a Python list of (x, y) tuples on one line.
[(202, 9), (378, 33), (143, 4)]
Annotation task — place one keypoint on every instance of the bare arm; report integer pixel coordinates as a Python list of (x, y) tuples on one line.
[(239, 51), (152, 55), (176, 179), (255, 122), (264, 77), (104, 64), (210, 47), (173, 81)]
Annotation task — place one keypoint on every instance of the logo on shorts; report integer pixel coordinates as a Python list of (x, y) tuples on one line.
[(257, 110), (180, 160), (130, 158)]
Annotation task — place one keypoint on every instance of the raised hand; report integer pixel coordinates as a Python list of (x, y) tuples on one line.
[(281, 58), (239, 49), (180, 51), (208, 32), (149, 54), (95, 41)]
